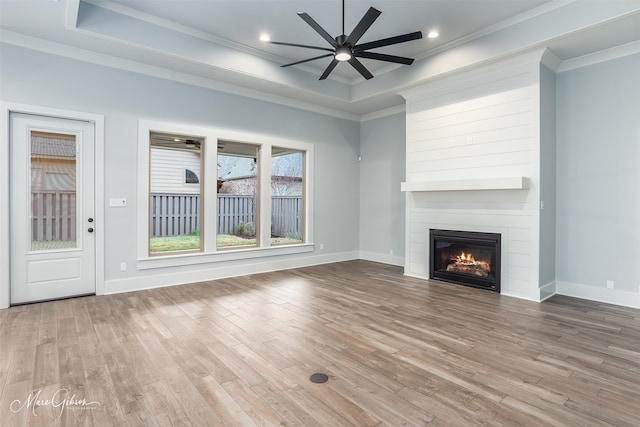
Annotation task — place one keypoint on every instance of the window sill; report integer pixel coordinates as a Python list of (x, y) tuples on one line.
[(178, 260)]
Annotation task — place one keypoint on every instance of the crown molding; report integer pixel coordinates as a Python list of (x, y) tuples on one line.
[(203, 35), (397, 109), (46, 46), (601, 56), (515, 20)]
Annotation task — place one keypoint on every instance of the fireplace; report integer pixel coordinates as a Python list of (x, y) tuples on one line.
[(466, 258)]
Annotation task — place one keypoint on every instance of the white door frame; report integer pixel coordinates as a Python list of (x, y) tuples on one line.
[(98, 120)]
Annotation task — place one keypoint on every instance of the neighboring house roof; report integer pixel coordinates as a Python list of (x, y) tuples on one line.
[(53, 148)]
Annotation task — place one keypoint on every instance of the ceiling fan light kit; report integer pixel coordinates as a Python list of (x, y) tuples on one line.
[(343, 54), (345, 48)]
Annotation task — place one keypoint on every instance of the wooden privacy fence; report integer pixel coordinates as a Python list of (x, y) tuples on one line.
[(286, 216), (177, 214), (53, 215), (233, 210), (174, 214)]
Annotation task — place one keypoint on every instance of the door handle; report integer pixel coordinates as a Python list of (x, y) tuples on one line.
[(90, 230)]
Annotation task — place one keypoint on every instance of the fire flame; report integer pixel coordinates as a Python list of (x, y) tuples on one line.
[(468, 259)]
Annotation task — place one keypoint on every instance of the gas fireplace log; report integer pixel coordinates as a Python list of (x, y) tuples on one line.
[(479, 270)]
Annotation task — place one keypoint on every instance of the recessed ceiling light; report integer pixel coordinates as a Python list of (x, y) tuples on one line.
[(433, 34), (264, 37)]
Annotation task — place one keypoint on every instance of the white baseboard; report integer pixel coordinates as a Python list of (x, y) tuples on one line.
[(594, 293), (213, 273), (382, 258), (547, 291), (525, 297)]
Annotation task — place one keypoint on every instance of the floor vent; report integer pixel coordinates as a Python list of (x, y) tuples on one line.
[(319, 378)]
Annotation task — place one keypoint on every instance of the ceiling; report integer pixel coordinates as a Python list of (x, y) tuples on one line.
[(240, 22), (215, 43)]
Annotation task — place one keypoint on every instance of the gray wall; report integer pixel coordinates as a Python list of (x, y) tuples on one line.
[(598, 174), (358, 206), (123, 97), (382, 205), (546, 273)]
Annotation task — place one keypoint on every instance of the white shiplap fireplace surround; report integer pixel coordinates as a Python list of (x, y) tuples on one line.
[(481, 157)]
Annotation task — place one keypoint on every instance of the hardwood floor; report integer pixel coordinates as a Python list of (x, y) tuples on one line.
[(398, 351)]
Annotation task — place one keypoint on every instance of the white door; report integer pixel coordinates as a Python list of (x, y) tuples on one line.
[(52, 208)]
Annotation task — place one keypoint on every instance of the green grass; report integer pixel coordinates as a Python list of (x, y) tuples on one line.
[(174, 243), (228, 240), (186, 243)]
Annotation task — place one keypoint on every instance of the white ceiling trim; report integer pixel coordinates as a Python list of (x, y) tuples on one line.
[(71, 16), (174, 26), (198, 58), (518, 19), (498, 45), (383, 113), (598, 57), (110, 61), (125, 30)]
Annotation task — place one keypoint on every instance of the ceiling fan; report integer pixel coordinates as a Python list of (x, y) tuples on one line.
[(345, 48)]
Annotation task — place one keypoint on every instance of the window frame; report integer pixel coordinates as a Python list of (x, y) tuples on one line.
[(208, 180)]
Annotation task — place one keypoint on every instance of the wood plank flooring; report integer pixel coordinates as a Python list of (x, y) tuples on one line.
[(398, 351)]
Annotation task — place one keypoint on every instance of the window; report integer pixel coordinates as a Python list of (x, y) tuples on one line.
[(287, 196), (237, 199), (211, 195), (175, 212), (190, 177)]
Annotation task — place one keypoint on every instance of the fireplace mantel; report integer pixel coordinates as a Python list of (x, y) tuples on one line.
[(500, 183)]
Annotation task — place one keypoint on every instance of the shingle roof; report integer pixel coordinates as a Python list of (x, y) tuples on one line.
[(53, 148)]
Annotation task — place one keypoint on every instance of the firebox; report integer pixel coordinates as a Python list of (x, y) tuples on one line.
[(466, 258)]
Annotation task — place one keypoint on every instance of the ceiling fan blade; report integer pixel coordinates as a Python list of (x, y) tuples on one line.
[(367, 20), (329, 69), (388, 41), (360, 68), (302, 45), (309, 20), (385, 57), (307, 60)]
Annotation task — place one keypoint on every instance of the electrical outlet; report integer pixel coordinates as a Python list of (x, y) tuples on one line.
[(469, 140), (321, 246), (609, 284), (123, 266), (391, 252)]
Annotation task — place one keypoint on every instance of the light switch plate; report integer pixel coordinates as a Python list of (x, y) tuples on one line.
[(117, 203)]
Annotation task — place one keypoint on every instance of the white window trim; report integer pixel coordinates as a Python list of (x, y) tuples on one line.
[(210, 254)]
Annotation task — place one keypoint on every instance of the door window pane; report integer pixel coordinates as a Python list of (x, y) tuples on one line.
[(53, 191), (237, 195), (287, 196), (175, 207)]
